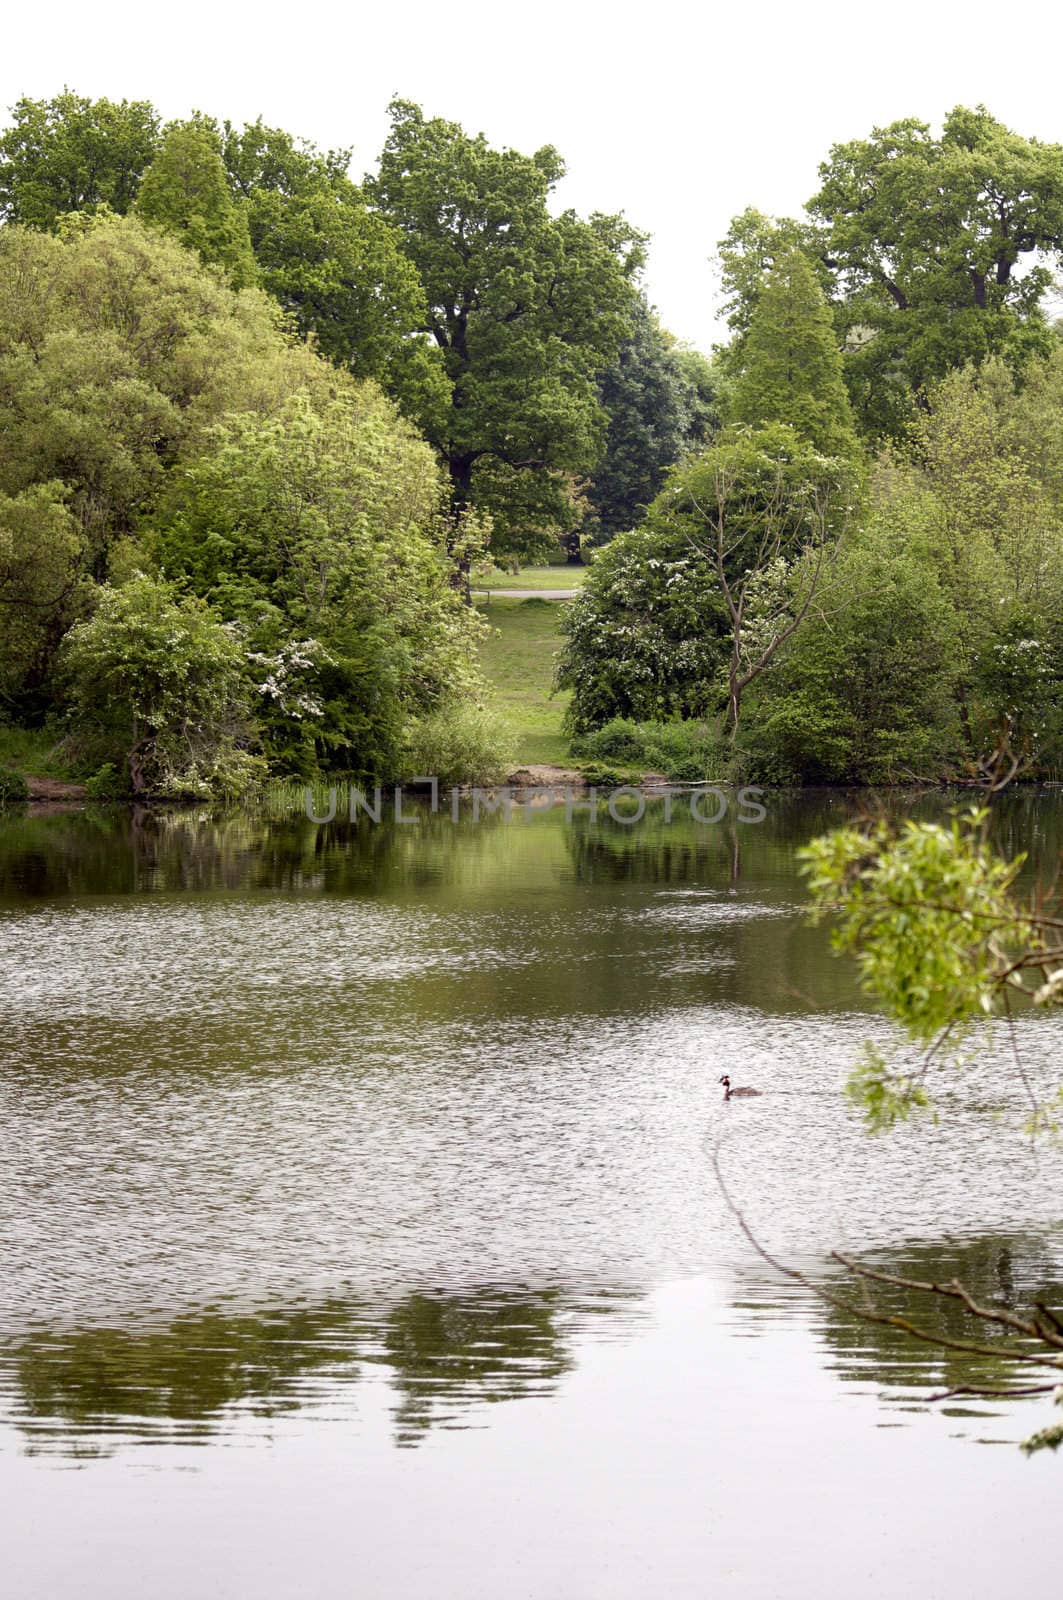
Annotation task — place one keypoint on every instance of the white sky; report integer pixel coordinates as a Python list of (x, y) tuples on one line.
[(680, 116)]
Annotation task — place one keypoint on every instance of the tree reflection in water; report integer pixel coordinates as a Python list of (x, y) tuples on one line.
[(1010, 1273), (81, 1393)]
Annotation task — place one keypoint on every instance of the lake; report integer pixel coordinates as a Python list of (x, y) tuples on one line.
[(360, 1234)]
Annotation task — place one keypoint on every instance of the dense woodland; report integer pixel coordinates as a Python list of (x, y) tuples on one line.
[(259, 421)]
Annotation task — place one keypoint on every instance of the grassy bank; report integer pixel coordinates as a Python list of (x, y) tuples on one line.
[(32, 752), (518, 661)]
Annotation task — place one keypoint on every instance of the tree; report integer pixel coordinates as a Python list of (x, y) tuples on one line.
[(116, 353), (161, 674), (941, 248), (791, 366), (526, 308), (865, 691), (73, 154), (766, 512), (119, 355), (40, 546), (336, 266), (754, 244), (318, 532), (186, 192), (660, 400), (980, 490)]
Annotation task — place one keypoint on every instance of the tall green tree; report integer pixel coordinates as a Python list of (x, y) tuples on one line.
[(118, 355), (318, 532), (942, 248), (73, 154), (186, 192), (660, 400), (767, 513), (791, 364), (527, 309)]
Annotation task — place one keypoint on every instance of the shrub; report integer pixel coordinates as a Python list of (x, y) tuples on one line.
[(458, 744), (645, 636), (164, 679), (106, 783), (13, 787), (686, 752)]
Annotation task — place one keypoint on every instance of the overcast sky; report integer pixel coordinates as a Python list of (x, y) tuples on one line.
[(678, 115)]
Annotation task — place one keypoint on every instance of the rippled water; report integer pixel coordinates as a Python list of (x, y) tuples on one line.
[(320, 1143)]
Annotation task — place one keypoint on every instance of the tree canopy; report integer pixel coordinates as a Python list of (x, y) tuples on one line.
[(73, 154), (155, 420), (335, 264), (941, 246), (186, 191), (526, 308)]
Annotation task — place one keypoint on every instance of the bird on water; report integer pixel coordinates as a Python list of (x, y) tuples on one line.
[(734, 1094)]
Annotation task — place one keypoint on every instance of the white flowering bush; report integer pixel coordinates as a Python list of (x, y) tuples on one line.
[(161, 680), (645, 638)]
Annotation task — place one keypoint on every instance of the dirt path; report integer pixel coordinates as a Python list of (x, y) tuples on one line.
[(54, 789), (526, 594), (545, 778)]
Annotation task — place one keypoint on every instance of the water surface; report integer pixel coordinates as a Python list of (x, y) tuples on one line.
[(359, 1228)]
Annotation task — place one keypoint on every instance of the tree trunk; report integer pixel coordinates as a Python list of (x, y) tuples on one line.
[(570, 544)]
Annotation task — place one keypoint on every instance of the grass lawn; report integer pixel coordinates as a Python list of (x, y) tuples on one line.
[(518, 662), (533, 578)]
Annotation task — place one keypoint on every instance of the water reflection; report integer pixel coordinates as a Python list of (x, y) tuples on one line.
[(446, 1358), (84, 1392), (115, 850), (1007, 1271)]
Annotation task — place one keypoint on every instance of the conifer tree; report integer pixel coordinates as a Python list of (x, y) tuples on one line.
[(792, 369), (186, 192)]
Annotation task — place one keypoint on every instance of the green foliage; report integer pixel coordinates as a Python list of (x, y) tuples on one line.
[(865, 691), (458, 744), (982, 493), (186, 192), (336, 266), (686, 752), (13, 788), (645, 638), (660, 401), (40, 549), (318, 532), (791, 365), (72, 154), (927, 237), (764, 512), (118, 353), (754, 245), (164, 677), (527, 308), (107, 783), (928, 915)]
